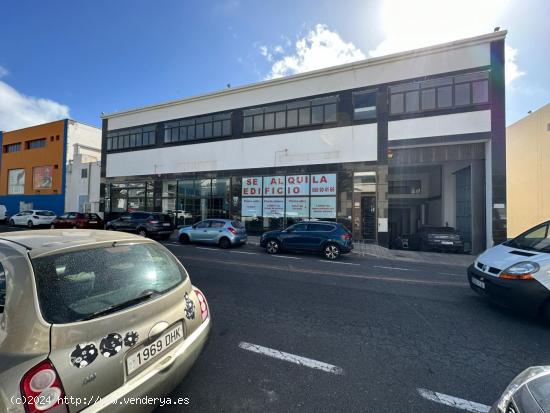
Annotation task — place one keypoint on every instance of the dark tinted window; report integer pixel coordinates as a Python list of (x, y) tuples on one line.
[(44, 213), (2, 288), (140, 215), (74, 286), (203, 224), (300, 227), (237, 224), (321, 227), (217, 224), (161, 217)]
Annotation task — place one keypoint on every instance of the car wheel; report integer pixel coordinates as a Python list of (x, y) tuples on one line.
[(142, 232), (11, 222), (30, 224), (184, 239), (331, 251), (272, 246), (224, 243)]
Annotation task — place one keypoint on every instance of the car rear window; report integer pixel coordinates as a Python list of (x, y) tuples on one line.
[(237, 224), (44, 213), (321, 227), (162, 217), (76, 285)]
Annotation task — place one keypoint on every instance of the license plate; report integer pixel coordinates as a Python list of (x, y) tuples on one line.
[(447, 242), (166, 224), (479, 283), (153, 350)]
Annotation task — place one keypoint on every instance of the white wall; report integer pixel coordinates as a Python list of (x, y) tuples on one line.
[(320, 146), (84, 158), (82, 134), (453, 124), (418, 63)]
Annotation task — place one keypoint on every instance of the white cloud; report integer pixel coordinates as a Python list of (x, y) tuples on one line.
[(3, 72), (320, 48), (19, 111), (512, 70)]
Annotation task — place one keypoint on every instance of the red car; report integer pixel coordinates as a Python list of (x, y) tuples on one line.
[(78, 220)]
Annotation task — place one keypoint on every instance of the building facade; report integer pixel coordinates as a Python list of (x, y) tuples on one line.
[(384, 146), (83, 177), (527, 152), (33, 164)]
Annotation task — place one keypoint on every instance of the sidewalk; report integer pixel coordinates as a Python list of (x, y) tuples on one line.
[(374, 250)]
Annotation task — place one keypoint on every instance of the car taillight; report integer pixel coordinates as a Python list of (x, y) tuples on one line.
[(346, 237), (232, 230), (42, 390), (202, 303), (153, 221)]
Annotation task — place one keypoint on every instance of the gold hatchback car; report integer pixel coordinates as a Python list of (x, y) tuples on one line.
[(94, 321)]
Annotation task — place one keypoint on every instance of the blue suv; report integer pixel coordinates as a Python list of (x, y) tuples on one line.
[(329, 238)]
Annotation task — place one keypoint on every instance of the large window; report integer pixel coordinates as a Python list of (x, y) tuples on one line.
[(131, 138), (364, 105), (291, 115), (204, 127), (16, 181), (12, 147), (441, 93), (36, 143), (410, 187)]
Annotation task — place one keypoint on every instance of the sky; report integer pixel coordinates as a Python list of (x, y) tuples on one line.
[(67, 58)]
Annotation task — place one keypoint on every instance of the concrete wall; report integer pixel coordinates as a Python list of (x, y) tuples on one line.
[(84, 158), (528, 170), (82, 134)]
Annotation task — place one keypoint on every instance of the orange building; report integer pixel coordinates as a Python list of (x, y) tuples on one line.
[(33, 164)]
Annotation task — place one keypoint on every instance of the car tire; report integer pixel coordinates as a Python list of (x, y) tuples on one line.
[(184, 239), (11, 223), (224, 243), (30, 224), (142, 232), (272, 246), (331, 251)]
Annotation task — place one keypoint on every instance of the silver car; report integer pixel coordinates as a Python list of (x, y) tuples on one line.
[(94, 321), (529, 392), (222, 232)]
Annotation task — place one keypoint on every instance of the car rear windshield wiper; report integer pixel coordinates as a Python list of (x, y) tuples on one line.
[(121, 306)]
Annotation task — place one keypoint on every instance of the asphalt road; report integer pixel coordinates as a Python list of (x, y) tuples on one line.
[(376, 332)]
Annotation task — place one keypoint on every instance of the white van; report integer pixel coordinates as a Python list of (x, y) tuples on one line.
[(517, 273), (3, 213)]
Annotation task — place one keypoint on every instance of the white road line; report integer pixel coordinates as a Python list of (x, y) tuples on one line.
[(391, 268), (291, 358), (286, 256), (450, 273), (244, 252), (339, 262), (205, 248), (453, 401)]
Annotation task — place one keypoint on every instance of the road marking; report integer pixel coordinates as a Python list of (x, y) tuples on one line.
[(391, 268), (338, 262), (450, 273), (453, 401), (244, 252), (291, 358), (286, 256), (206, 248)]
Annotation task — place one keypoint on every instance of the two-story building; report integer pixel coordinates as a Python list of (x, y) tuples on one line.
[(384, 145)]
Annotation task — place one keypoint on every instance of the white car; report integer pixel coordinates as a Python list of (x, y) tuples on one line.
[(516, 273), (33, 217), (3, 212)]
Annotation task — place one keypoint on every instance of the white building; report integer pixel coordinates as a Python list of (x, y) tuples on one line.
[(83, 177)]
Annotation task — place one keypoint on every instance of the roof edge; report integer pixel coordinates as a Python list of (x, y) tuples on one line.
[(484, 38)]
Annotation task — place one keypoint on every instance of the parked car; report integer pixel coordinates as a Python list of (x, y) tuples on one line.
[(430, 238), (516, 273), (78, 220), (529, 392), (3, 213), (92, 318), (223, 232), (33, 218), (146, 224), (329, 238)]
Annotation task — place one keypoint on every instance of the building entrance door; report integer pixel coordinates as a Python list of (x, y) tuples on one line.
[(368, 217)]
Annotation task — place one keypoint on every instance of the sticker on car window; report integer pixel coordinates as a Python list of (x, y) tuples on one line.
[(83, 355), (189, 307), (110, 345)]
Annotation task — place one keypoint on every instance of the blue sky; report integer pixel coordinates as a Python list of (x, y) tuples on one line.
[(63, 58)]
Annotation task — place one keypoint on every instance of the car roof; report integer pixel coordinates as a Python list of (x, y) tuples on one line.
[(49, 241)]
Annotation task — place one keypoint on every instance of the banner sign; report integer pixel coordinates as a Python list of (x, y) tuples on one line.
[(323, 184), (16, 181), (274, 185), (42, 177), (323, 207), (274, 207), (297, 185), (297, 207), (252, 186), (251, 207)]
